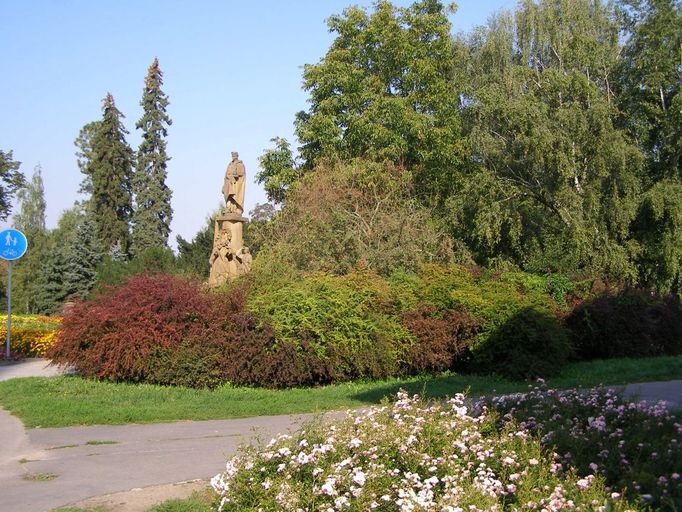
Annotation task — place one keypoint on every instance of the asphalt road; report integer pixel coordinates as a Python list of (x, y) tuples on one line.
[(44, 468)]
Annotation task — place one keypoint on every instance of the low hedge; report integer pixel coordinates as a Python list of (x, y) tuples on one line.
[(320, 329), (350, 322), (518, 330)]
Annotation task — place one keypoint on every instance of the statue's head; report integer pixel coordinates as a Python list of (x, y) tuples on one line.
[(235, 155)]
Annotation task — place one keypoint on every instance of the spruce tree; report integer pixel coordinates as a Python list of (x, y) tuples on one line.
[(83, 256), (51, 292), (153, 212), (110, 171), (50, 279)]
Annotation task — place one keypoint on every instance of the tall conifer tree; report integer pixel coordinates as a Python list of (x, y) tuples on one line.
[(110, 171), (153, 212)]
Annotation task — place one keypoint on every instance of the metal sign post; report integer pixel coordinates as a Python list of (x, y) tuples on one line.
[(13, 246), (9, 308)]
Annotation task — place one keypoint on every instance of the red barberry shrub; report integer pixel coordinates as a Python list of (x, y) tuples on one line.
[(114, 335), (163, 329), (442, 338)]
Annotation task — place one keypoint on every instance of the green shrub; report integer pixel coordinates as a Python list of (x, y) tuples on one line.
[(632, 323), (345, 215), (519, 334), (531, 343), (190, 363), (113, 272), (349, 320)]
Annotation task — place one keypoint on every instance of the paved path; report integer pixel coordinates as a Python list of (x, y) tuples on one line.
[(41, 469)]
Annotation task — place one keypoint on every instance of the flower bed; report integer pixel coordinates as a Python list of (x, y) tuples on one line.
[(31, 334), (634, 446), (410, 456)]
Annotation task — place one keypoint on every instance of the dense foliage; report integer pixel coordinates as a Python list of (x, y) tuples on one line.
[(164, 329), (632, 323), (545, 138), (350, 321), (113, 335), (353, 214), (30, 220)]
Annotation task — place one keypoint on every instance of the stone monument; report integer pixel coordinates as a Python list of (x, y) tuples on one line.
[(230, 258)]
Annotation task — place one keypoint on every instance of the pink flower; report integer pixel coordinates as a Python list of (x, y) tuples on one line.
[(583, 484)]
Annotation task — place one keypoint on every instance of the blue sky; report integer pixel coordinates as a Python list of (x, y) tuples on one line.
[(232, 72)]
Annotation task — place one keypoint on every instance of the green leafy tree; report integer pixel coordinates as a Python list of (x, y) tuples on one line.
[(52, 293), (658, 228), (109, 168), (651, 74), (31, 215), (30, 219), (153, 212), (85, 155), (358, 214), (11, 180), (255, 231), (193, 255), (554, 182), (113, 272), (387, 89), (278, 170)]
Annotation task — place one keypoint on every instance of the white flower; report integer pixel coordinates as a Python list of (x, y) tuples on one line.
[(328, 487), (359, 477)]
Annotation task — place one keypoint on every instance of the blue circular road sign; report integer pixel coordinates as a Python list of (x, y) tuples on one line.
[(13, 244)]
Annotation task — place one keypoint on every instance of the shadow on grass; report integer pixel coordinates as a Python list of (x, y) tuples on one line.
[(439, 386)]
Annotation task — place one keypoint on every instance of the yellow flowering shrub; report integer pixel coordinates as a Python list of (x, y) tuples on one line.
[(31, 334)]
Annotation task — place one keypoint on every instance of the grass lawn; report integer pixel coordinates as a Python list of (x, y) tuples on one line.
[(68, 401), (202, 501)]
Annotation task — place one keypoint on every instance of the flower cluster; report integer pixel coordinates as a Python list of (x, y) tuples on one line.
[(635, 447), (31, 335), (411, 456)]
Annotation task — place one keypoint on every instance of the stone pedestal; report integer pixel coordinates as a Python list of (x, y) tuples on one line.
[(229, 258)]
